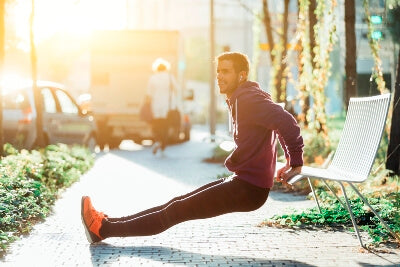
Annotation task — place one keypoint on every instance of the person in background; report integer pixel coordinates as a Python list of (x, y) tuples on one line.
[(258, 123), (162, 91)]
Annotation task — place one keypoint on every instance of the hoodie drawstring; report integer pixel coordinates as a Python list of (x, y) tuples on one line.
[(236, 117)]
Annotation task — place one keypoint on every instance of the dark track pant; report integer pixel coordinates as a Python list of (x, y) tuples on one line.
[(216, 198), (160, 131)]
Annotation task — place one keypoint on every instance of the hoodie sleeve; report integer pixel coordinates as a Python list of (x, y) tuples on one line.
[(262, 111), (283, 145)]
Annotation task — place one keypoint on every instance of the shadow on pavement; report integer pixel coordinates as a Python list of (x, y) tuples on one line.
[(107, 254)]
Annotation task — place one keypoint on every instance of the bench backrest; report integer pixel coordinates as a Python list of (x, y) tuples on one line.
[(361, 136)]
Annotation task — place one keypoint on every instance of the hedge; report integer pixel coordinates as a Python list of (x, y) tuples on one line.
[(30, 182)]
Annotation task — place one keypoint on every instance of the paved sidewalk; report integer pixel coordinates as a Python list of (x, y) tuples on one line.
[(141, 181)]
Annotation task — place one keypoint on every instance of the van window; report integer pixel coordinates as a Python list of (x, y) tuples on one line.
[(49, 104), (66, 104), (16, 100)]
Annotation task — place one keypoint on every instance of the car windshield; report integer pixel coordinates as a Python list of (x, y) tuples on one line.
[(16, 100)]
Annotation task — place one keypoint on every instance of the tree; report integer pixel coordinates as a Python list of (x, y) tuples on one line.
[(38, 99), (393, 152), (282, 65), (350, 64), (312, 21), (277, 51), (268, 29), (312, 18), (315, 61), (2, 41)]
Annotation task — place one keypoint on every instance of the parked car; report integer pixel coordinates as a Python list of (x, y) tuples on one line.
[(63, 119)]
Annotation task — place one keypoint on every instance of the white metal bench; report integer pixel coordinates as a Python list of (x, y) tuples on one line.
[(356, 151)]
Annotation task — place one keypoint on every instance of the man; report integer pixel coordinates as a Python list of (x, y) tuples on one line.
[(256, 123), (162, 91)]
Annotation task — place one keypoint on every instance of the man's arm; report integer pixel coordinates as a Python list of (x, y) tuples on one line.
[(272, 116), (285, 173)]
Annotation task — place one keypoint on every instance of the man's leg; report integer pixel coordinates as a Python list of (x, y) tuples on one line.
[(232, 195), (161, 207), (157, 134), (164, 127), (155, 125)]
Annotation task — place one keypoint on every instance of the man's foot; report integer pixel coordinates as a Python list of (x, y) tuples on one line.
[(91, 219)]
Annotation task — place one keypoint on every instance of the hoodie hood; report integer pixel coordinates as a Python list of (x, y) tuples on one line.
[(246, 87)]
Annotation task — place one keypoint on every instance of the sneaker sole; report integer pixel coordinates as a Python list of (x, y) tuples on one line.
[(87, 231)]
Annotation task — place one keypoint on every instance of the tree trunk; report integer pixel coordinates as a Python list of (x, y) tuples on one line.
[(393, 153), (312, 18), (2, 54), (350, 65), (37, 95), (268, 29), (280, 83)]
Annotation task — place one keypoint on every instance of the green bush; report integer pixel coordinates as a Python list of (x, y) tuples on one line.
[(30, 182)]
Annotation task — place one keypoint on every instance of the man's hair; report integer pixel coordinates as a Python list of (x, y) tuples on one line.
[(240, 61)]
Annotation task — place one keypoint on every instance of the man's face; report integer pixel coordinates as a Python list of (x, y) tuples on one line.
[(228, 79)]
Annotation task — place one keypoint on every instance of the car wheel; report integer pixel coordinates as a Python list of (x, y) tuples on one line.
[(173, 135), (114, 143), (91, 143), (102, 134)]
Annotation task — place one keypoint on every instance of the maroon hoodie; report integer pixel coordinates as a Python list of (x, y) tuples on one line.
[(257, 123)]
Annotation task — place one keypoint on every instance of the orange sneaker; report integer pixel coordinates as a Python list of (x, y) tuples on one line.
[(91, 219)]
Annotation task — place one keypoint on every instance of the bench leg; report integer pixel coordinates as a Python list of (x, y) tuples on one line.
[(333, 192), (351, 214), (376, 213), (315, 195), (330, 188)]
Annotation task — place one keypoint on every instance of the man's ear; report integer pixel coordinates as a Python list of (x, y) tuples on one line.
[(242, 76)]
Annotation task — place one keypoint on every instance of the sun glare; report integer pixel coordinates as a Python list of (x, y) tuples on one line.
[(12, 81), (65, 16)]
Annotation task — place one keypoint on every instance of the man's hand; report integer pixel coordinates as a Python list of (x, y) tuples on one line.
[(284, 174)]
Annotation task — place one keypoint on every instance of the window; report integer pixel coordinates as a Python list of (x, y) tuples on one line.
[(66, 104), (49, 104)]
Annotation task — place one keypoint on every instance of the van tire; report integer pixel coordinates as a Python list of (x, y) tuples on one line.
[(91, 142), (114, 143)]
